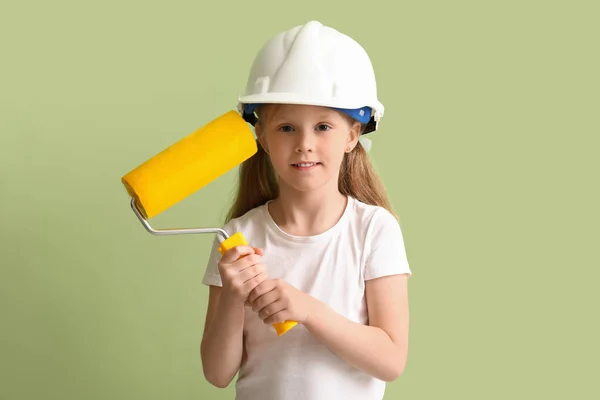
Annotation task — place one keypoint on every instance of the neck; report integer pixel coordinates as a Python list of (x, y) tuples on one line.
[(307, 213)]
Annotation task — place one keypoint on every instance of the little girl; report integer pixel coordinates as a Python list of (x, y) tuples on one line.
[(325, 247)]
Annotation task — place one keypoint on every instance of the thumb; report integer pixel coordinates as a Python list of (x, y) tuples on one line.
[(236, 253)]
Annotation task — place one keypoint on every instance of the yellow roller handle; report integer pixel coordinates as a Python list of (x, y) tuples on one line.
[(238, 239)]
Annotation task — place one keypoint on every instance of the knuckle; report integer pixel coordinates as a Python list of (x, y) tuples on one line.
[(265, 311), (252, 295), (249, 274), (233, 253), (225, 276), (237, 252), (255, 259), (254, 282), (260, 279)]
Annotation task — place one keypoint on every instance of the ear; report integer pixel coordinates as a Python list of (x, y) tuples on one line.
[(261, 137), (353, 136)]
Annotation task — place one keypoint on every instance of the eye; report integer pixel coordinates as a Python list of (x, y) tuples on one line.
[(323, 127), (286, 128)]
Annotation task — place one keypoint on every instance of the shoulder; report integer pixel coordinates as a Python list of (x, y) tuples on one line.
[(372, 218), (378, 226), (384, 247), (247, 222)]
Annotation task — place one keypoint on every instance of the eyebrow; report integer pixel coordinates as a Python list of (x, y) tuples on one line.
[(287, 117)]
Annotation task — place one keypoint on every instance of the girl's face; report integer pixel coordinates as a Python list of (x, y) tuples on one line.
[(306, 144)]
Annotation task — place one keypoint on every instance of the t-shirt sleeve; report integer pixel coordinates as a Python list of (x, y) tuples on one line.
[(387, 255), (211, 273)]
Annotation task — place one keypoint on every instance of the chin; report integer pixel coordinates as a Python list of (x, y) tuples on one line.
[(306, 188), (309, 184), (307, 181)]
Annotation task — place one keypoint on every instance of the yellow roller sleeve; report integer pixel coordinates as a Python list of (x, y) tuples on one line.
[(238, 239), (190, 164)]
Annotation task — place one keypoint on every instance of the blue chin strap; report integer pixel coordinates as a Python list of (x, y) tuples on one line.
[(362, 115)]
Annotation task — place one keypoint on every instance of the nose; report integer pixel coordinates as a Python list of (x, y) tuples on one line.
[(306, 141)]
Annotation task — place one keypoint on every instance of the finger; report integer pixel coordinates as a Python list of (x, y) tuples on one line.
[(252, 283), (271, 310), (259, 251), (265, 300), (236, 253), (277, 317), (247, 262), (261, 289), (251, 272), (243, 263)]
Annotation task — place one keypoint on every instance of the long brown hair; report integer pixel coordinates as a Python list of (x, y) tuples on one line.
[(257, 180)]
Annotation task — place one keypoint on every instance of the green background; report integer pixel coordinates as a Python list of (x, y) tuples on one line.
[(488, 148)]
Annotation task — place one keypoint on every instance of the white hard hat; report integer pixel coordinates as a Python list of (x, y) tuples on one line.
[(316, 65)]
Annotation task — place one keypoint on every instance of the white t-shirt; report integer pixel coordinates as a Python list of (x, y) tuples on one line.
[(366, 243)]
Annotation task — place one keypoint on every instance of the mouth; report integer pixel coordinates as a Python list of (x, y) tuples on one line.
[(305, 165)]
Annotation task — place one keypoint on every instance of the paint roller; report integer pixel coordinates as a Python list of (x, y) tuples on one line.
[(184, 168)]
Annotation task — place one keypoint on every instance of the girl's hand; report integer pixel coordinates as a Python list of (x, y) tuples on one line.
[(241, 271), (275, 300)]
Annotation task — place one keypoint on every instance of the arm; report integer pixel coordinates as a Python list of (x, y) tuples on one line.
[(380, 348), (221, 348), (240, 269)]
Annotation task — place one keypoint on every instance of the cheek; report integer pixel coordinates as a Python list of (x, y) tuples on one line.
[(337, 147), (278, 160), (278, 151), (275, 141)]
